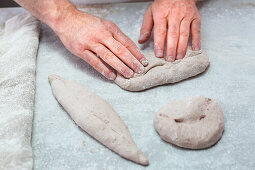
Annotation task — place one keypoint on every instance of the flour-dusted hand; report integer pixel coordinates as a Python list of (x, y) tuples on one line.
[(87, 37), (173, 21)]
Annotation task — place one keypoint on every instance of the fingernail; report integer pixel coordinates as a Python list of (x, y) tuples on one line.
[(170, 58), (196, 48), (140, 70), (112, 76), (144, 61), (159, 53), (179, 56)]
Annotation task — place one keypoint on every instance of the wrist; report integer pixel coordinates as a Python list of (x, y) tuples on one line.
[(58, 15)]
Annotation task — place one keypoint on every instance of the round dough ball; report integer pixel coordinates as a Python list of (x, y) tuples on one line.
[(193, 123)]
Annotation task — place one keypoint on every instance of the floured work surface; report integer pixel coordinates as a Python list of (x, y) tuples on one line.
[(59, 144)]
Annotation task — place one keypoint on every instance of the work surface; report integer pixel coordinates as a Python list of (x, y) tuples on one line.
[(228, 36)]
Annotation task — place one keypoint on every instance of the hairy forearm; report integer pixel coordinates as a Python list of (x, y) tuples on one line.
[(48, 11)]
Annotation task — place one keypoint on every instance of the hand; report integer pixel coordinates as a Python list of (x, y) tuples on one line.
[(87, 36), (173, 20)]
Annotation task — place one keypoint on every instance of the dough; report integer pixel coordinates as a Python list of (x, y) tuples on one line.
[(193, 123), (95, 116), (160, 72)]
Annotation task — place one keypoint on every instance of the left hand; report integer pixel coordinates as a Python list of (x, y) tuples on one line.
[(173, 20)]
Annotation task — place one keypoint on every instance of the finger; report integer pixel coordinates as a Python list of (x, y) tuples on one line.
[(122, 52), (172, 37), (130, 45), (113, 61), (97, 64), (183, 38), (147, 26), (196, 34), (159, 37)]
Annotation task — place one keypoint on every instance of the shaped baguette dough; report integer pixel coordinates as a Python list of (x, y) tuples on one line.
[(160, 72), (95, 116), (193, 123)]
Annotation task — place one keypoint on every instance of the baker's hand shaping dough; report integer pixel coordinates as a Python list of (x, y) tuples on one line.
[(173, 21), (87, 37)]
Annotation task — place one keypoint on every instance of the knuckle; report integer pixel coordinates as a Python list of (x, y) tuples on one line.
[(94, 62), (106, 39), (110, 24), (102, 34), (160, 27), (176, 13), (119, 50), (160, 31), (173, 36), (184, 33), (198, 20), (79, 47), (172, 28), (198, 16), (94, 46), (128, 43), (173, 33), (108, 56)]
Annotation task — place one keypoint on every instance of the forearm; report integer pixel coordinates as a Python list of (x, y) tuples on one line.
[(48, 11)]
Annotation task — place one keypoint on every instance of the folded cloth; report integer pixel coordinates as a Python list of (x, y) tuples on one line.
[(19, 39)]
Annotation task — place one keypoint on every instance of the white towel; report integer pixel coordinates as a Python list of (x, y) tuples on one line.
[(19, 39)]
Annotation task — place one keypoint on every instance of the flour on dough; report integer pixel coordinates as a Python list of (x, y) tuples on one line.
[(95, 116), (193, 123), (160, 72)]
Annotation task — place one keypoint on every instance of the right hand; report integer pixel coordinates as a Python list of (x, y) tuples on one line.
[(87, 36)]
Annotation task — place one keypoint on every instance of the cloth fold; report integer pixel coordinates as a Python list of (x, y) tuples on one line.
[(19, 40)]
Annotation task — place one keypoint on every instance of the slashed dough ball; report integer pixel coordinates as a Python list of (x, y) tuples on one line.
[(194, 123)]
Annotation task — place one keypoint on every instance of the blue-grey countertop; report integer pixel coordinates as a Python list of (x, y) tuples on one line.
[(228, 36)]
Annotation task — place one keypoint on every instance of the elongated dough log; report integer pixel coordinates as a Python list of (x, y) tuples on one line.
[(96, 117)]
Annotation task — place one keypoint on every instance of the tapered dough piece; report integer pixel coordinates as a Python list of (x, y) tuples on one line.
[(194, 123), (96, 117), (160, 72)]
